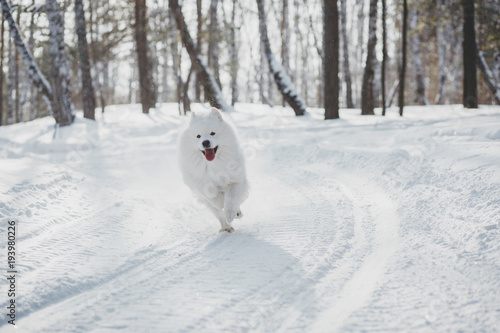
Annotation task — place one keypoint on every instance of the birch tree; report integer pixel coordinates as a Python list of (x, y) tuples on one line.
[(281, 78), (88, 97), (2, 33), (331, 58), (367, 95), (233, 54), (62, 106), (420, 96), (175, 58), (34, 73), (489, 77), (441, 48), (199, 31), (402, 74), (214, 94), (345, 52), (213, 42), (285, 39)]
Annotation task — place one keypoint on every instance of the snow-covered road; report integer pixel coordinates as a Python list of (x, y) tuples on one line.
[(359, 224)]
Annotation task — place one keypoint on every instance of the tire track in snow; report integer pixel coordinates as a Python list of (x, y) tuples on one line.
[(358, 289)]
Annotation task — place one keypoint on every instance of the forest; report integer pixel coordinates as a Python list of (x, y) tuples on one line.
[(60, 56), (369, 131)]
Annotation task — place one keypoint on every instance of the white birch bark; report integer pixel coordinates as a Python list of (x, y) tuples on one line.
[(345, 54), (488, 75), (282, 80), (34, 73), (420, 97), (441, 48), (10, 83), (233, 56), (61, 83)]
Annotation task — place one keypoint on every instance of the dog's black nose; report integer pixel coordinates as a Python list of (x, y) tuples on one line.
[(206, 143)]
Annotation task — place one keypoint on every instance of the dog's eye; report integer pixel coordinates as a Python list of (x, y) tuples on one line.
[(198, 136), (213, 133)]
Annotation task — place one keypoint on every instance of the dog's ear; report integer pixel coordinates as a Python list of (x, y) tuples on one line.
[(216, 113)]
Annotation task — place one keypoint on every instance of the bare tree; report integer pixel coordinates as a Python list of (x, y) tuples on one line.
[(285, 39), (88, 97), (62, 106), (146, 86), (175, 58), (469, 55), (367, 96), (213, 42), (441, 47), (199, 20), (35, 75), (345, 51), (207, 80), (280, 77), (489, 77), (401, 97), (384, 53), (233, 54), (331, 58), (2, 30), (420, 96)]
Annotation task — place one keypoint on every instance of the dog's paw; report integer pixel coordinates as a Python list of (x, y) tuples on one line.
[(230, 215), (227, 229), (239, 215)]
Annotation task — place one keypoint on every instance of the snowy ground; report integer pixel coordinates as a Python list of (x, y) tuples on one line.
[(359, 224)]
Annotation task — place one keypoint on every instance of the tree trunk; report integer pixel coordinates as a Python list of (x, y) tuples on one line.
[(199, 19), (367, 96), (345, 46), (441, 48), (175, 57), (285, 40), (11, 108), (489, 78), (384, 54), (2, 41), (36, 76), (469, 56), (402, 74), (420, 96), (331, 58), (280, 77), (16, 76), (207, 80), (146, 85), (213, 42), (233, 56), (186, 102), (62, 105), (88, 97), (360, 45), (31, 46), (392, 93)]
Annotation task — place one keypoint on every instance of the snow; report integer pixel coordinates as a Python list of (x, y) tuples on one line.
[(365, 223)]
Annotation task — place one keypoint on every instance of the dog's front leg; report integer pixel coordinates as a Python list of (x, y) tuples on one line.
[(233, 197), (219, 214)]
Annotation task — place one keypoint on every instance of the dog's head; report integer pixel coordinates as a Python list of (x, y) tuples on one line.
[(207, 132)]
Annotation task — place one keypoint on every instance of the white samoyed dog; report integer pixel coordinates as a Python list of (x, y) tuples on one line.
[(213, 165)]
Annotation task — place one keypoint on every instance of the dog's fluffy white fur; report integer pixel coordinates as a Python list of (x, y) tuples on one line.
[(213, 165)]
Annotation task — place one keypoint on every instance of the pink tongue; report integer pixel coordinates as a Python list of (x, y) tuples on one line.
[(209, 154)]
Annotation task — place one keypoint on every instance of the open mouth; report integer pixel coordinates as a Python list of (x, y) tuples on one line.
[(210, 153)]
